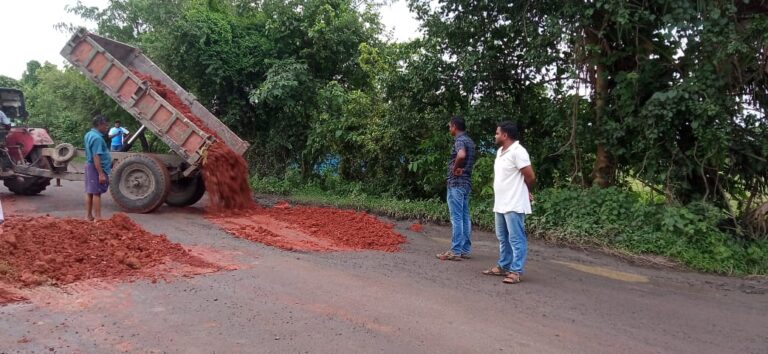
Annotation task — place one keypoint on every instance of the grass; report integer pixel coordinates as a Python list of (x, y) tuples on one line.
[(623, 223), (424, 210)]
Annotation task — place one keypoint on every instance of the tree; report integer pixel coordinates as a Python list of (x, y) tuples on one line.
[(9, 82), (64, 102)]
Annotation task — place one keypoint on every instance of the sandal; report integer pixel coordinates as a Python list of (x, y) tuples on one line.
[(448, 256), (512, 278), (495, 271)]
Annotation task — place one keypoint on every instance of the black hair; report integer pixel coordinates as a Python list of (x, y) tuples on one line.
[(458, 122), (117, 122), (98, 120), (510, 129)]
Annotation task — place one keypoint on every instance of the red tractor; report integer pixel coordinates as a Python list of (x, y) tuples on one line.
[(21, 148)]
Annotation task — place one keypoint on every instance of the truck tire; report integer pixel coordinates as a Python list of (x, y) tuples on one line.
[(186, 191), (140, 184), (63, 152), (31, 185)]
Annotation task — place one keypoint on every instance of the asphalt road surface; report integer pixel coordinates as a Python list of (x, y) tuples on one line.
[(571, 301)]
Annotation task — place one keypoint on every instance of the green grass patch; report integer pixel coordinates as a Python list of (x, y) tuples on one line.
[(627, 221), (694, 235)]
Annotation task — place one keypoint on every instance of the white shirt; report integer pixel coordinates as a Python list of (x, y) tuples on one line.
[(510, 190)]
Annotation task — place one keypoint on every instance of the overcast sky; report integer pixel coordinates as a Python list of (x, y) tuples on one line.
[(28, 32)]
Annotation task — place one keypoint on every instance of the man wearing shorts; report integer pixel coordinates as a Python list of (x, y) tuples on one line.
[(97, 167)]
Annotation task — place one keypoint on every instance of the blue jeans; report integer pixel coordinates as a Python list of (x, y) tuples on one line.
[(513, 243), (458, 206), (117, 147)]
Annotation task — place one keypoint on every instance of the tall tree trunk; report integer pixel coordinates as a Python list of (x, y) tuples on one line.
[(604, 169)]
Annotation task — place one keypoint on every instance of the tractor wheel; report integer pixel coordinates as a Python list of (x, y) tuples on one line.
[(186, 191), (32, 185), (140, 184)]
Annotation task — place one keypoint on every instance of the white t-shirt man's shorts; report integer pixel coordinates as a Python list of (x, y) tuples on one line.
[(510, 191)]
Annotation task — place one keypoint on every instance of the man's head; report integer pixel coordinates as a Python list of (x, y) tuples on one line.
[(117, 124), (506, 132), (457, 125), (100, 123)]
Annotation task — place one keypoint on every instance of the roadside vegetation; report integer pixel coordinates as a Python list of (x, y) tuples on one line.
[(695, 236), (645, 120)]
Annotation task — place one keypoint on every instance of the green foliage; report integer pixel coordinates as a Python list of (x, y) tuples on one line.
[(692, 235), (669, 94), (684, 87), (9, 82), (64, 102)]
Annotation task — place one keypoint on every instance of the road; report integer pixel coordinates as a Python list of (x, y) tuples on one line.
[(571, 301)]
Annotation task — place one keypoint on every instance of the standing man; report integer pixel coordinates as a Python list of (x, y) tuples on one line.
[(513, 180), (97, 167), (117, 135), (459, 186)]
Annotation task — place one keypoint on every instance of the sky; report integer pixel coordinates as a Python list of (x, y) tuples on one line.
[(27, 27)]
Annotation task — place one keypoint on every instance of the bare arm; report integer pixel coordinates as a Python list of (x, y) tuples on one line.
[(461, 157), (97, 164), (529, 176)]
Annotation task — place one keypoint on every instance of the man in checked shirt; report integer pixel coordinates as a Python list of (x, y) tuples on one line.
[(459, 180)]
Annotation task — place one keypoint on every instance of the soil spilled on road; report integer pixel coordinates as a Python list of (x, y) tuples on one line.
[(8, 296), (53, 251), (311, 229), (225, 174)]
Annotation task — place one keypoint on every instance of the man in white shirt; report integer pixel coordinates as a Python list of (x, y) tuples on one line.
[(513, 180)]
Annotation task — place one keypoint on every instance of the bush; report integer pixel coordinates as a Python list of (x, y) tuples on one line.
[(620, 219), (612, 218)]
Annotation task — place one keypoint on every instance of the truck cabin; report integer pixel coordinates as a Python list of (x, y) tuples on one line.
[(12, 103)]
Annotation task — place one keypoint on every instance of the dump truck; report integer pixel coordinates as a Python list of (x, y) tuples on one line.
[(140, 181)]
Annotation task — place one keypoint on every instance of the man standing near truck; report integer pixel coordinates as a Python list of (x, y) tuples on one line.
[(97, 167), (117, 135), (459, 180)]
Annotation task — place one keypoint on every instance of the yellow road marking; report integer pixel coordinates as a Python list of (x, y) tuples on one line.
[(605, 272)]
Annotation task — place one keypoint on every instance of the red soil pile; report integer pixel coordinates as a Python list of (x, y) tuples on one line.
[(225, 172), (46, 250), (312, 229), (417, 227), (7, 297)]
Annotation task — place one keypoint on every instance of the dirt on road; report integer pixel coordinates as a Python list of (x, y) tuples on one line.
[(225, 173), (571, 301), (311, 228), (45, 250)]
